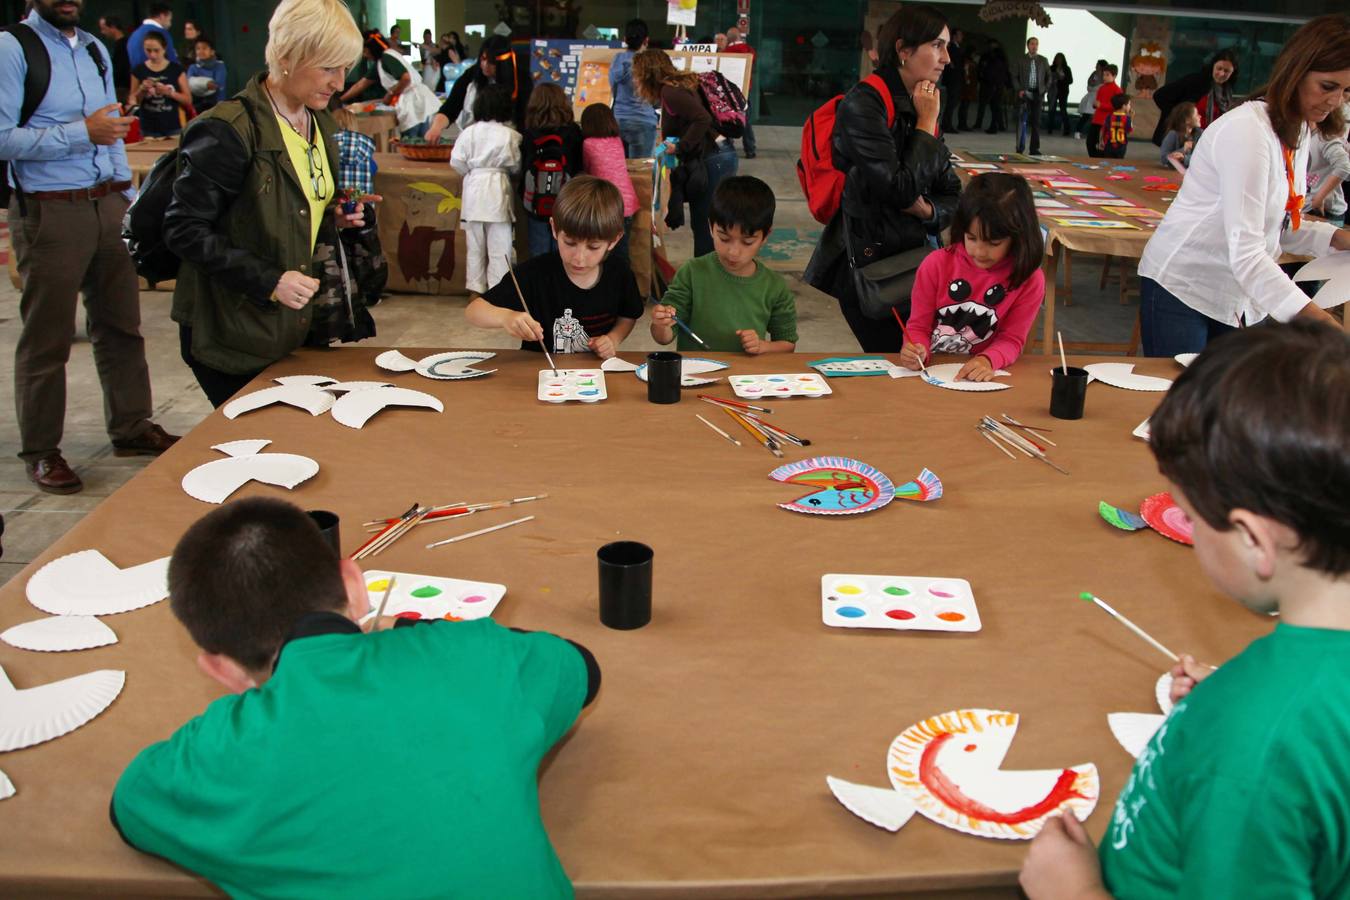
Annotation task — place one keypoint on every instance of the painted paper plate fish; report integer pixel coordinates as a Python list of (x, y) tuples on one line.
[(947, 769), (840, 486), (1164, 516), (1120, 518)]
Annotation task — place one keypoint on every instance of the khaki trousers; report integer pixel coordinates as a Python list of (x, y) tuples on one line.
[(63, 248)]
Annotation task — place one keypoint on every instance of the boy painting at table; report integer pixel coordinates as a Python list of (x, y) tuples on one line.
[(583, 300), (728, 297), (1245, 789), (336, 766), (980, 295)]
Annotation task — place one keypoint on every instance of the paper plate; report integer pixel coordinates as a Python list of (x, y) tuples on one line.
[(1185, 359), (348, 387), (215, 481), (6, 787), (303, 380), (88, 584), (615, 364), (690, 367), (1142, 431), (882, 807), (1134, 730), (393, 361), (453, 365), (242, 448), (843, 486), (59, 633), (1162, 692), (1122, 375), (356, 409), (1120, 518), (1164, 516), (48, 711), (944, 376), (311, 399)]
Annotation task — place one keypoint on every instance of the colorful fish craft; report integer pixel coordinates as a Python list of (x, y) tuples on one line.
[(1159, 512), (947, 768), (846, 486), (1120, 518)]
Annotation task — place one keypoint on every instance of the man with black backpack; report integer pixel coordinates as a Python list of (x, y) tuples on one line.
[(61, 134)]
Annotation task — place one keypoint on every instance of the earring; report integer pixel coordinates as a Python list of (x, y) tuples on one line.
[(285, 72)]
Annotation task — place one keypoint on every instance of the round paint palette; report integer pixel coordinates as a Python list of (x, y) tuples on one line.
[(585, 385), (898, 602), (433, 597), (770, 387)]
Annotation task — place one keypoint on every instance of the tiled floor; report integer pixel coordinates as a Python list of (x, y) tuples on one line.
[(34, 520)]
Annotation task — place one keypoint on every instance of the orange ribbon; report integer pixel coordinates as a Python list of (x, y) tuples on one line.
[(1293, 207)]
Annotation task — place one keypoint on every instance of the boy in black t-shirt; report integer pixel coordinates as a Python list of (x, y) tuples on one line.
[(583, 301)]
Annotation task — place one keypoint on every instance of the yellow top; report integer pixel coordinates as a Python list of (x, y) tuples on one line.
[(311, 164)]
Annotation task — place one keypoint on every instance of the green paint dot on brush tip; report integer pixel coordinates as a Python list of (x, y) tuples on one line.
[(423, 593), (1086, 595)]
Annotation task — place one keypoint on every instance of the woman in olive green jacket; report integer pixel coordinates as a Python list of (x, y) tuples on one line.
[(253, 216)]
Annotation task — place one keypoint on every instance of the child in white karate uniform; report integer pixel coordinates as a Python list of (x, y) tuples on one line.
[(487, 154)]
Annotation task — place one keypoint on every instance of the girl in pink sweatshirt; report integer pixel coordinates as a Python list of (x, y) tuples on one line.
[(981, 294), (602, 155)]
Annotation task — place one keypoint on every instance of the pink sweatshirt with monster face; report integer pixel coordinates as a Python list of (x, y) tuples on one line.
[(603, 158), (957, 307)]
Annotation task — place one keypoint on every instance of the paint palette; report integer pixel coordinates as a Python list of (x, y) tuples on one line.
[(898, 602), (845, 366), (585, 385), (433, 597), (767, 387)]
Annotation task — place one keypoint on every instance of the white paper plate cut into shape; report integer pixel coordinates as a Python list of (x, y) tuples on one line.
[(433, 597), (357, 408), (309, 397), (898, 603), (50, 710), (1135, 730), (690, 368), (6, 787), (943, 375), (1122, 375), (562, 385), (617, 364), (60, 633), (1334, 269), (88, 584), (947, 768), (451, 365), (215, 481), (772, 387)]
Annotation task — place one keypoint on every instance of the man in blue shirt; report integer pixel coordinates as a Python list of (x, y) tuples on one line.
[(70, 176), (161, 17)]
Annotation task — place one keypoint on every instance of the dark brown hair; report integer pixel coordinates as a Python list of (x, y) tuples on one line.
[(589, 209), (653, 70), (1179, 118), (597, 121), (548, 107), (1261, 421), (1321, 45), (244, 574), (1004, 208), (909, 26)]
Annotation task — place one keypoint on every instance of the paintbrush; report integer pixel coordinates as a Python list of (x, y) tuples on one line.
[(462, 509), (779, 432), (716, 429), (478, 532), (984, 434), (1029, 430), (364, 550), (718, 401), (687, 330), (543, 345), (1063, 360), (388, 589), (397, 532), (1093, 598), (904, 332), (769, 444)]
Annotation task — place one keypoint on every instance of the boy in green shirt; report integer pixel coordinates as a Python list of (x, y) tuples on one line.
[(398, 763), (1245, 789), (728, 298)]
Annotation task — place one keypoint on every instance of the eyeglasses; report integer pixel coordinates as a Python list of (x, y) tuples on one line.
[(317, 180)]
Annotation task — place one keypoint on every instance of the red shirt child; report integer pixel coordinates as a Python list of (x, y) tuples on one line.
[(1105, 92)]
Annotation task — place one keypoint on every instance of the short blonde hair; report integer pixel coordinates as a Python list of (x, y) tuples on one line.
[(317, 33), (589, 209)]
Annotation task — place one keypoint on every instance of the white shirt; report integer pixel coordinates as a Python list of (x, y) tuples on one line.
[(487, 154), (1216, 249)]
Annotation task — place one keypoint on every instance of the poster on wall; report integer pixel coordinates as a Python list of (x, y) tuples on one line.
[(559, 61), (592, 80), (681, 12)]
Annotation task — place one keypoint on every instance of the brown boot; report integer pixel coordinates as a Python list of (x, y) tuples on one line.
[(152, 442), (54, 475)]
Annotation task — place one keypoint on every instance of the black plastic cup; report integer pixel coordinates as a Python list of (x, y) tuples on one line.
[(327, 523), (625, 584), (1068, 391), (663, 377)]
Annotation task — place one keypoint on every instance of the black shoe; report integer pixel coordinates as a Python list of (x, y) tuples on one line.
[(990, 131), (750, 154)]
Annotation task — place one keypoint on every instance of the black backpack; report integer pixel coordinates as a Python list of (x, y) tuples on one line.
[(36, 79)]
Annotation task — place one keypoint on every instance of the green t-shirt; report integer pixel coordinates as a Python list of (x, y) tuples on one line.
[(396, 764), (1245, 790), (716, 304)]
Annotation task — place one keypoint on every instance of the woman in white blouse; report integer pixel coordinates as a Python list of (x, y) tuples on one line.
[(1212, 264)]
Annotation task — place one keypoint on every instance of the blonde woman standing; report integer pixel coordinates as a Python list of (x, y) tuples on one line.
[(254, 196)]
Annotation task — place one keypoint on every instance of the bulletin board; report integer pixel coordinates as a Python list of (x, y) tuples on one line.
[(592, 81)]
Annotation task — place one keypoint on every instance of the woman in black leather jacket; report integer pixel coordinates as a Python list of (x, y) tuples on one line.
[(900, 190)]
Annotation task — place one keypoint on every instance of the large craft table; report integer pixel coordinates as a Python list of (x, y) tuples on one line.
[(700, 769)]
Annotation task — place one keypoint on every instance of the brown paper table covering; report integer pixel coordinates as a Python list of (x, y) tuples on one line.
[(700, 770)]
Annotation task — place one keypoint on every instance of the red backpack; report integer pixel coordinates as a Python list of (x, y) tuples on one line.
[(822, 182)]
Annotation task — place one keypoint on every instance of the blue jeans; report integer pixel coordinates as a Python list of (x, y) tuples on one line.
[(639, 138), (720, 165), (417, 131), (539, 236), (1168, 327)]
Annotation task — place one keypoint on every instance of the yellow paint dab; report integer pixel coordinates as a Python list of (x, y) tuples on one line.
[(380, 584)]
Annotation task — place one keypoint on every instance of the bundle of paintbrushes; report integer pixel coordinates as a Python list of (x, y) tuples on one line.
[(771, 437), (387, 531), (1002, 436)]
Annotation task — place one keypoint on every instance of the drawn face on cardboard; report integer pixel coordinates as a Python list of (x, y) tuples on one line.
[(966, 320)]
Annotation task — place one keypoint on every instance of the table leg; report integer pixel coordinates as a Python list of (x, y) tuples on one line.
[(1050, 266), (1068, 275)]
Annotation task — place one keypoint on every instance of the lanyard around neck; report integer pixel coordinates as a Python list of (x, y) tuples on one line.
[(1293, 207)]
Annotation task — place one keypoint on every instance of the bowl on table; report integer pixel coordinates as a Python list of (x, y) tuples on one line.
[(419, 150)]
